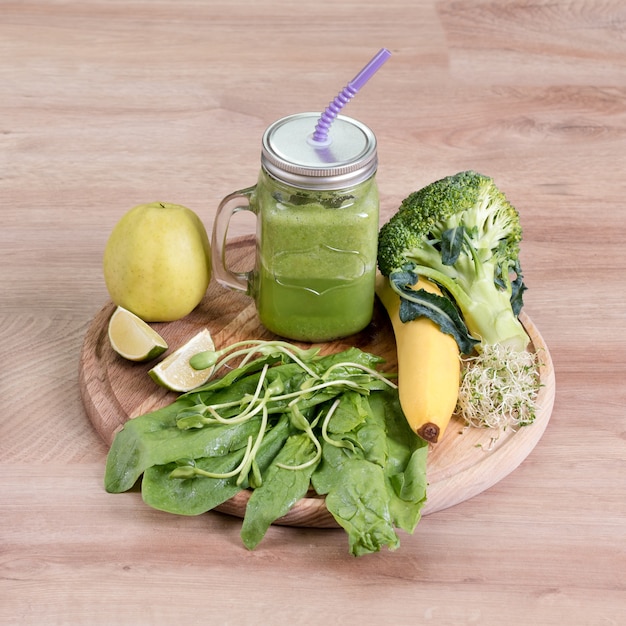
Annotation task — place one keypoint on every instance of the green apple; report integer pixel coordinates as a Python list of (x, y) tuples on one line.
[(157, 262)]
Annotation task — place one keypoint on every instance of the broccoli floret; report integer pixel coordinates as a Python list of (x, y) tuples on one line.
[(462, 233)]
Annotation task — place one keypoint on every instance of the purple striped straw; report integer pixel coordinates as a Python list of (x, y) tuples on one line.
[(320, 135)]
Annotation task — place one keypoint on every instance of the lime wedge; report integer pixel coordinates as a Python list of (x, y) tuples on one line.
[(133, 338), (174, 371)]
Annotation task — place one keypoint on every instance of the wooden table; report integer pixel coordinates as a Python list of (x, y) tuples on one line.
[(105, 105)]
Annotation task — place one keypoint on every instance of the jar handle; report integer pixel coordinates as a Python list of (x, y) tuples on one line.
[(231, 204)]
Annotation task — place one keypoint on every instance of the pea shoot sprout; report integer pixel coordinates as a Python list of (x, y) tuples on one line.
[(219, 358)]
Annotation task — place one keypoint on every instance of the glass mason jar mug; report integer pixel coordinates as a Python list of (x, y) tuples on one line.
[(316, 213)]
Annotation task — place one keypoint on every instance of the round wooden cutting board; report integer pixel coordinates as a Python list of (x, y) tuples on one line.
[(465, 462)]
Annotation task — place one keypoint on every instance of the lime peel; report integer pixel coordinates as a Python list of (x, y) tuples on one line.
[(175, 373), (132, 338)]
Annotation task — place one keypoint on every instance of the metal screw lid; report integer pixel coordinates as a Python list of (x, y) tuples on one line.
[(346, 159)]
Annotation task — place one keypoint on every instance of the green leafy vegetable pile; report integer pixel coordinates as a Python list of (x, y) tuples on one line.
[(279, 424)]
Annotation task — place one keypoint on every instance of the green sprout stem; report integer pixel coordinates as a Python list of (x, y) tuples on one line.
[(326, 437), (219, 358), (296, 395), (191, 471), (308, 429), (365, 369), (251, 409), (250, 455)]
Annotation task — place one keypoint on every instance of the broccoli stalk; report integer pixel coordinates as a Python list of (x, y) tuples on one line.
[(462, 233), (486, 307)]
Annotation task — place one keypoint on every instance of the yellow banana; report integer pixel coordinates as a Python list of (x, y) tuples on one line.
[(429, 365)]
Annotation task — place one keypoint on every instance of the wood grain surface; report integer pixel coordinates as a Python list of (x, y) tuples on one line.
[(461, 465), (106, 105)]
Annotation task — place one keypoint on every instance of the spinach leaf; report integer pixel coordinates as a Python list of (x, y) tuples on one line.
[(359, 503), (193, 496), (378, 484), (351, 411), (356, 491), (405, 465), (281, 489), (155, 439)]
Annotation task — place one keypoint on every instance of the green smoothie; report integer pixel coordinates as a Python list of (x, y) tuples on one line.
[(316, 264)]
